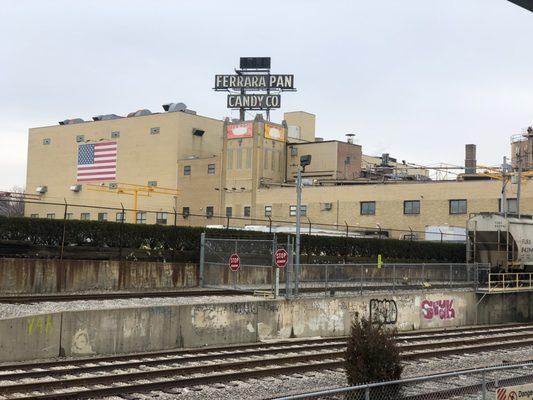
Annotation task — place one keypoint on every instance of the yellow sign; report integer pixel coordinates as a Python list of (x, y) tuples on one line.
[(380, 263), (275, 132)]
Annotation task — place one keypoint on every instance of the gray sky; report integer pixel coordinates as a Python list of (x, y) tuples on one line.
[(415, 78)]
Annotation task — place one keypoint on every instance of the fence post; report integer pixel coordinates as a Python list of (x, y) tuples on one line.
[(451, 274), (274, 268), (367, 393), (175, 217), (269, 225), (326, 283), (288, 269), (361, 279), (202, 259), (393, 278), (122, 219), (483, 386), (64, 231), (423, 272)]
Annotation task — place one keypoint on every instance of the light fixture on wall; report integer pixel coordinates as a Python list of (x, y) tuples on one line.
[(41, 189), (75, 188)]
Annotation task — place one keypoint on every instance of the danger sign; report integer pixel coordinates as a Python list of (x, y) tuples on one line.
[(234, 262), (282, 258), (522, 392)]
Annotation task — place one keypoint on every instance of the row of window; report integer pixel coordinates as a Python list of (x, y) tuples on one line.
[(187, 169), (161, 217), (410, 207)]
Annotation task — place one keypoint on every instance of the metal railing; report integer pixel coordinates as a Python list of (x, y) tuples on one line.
[(510, 281), (480, 383)]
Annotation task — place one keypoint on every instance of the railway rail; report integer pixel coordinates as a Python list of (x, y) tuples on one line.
[(34, 298), (127, 373)]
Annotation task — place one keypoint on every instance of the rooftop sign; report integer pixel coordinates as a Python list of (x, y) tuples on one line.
[(254, 76)]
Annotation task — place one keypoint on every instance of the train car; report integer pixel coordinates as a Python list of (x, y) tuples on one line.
[(504, 241)]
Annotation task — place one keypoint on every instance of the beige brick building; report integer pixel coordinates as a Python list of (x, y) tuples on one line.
[(242, 171)]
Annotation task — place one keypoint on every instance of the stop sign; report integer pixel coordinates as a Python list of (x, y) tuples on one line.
[(234, 262), (282, 258)]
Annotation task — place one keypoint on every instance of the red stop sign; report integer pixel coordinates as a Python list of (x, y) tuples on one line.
[(234, 262), (282, 258)]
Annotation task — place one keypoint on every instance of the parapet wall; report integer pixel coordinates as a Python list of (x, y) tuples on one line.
[(77, 333), (34, 276)]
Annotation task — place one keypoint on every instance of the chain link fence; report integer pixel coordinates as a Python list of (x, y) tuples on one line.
[(257, 271), (500, 382)]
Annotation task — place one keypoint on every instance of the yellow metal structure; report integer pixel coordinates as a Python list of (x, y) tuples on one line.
[(510, 282), (133, 190)]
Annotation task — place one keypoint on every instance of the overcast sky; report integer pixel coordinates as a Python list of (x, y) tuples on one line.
[(416, 78)]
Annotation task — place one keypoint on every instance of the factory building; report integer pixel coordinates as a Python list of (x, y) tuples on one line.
[(193, 170)]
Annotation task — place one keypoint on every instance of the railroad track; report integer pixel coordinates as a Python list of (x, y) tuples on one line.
[(119, 374), (34, 298)]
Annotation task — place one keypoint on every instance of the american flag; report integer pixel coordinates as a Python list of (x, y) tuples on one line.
[(97, 161)]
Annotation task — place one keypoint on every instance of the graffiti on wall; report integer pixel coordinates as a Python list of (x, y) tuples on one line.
[(442, 309), (384, 311), (39, 325)]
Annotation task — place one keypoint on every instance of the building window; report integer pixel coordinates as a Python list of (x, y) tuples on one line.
[(185, 212), (248, 158), (141, 217), (239, 159), (115, 135), (229, 211), (186, 170), (152, 183), (154, 131), (512, 205), (457, 206), (47, 141), (303, 211), (161, 218), (230, 159), (85, 216), (211, 169), (268, 211), (411, 207), (209, 211), (34, 215), (51, 215), (69, 216), (368, 208), (265, 159), (120, 217), (247, 211), (102, 216)]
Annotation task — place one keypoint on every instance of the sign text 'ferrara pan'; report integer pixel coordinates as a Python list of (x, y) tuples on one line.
[(254, 82)]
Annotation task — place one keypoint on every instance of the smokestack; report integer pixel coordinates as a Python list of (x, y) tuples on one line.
[(470, 159)]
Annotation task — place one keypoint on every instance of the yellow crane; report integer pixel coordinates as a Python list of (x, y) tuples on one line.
[(133, 190)]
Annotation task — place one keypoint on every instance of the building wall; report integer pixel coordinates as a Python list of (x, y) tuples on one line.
[(306, 122), (141, 157), (434, 200)]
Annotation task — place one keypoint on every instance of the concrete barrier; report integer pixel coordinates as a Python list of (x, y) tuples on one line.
[(108, 331), (31, 337), (122, 330), (36, 276)]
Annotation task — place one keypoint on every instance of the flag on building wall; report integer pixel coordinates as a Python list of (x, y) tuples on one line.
[(97, 161)]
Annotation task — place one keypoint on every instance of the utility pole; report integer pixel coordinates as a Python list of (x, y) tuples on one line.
[(519, 183), (503, 200), (298, 225), (304, 161)]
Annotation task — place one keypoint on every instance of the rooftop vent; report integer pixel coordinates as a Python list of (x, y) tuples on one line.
[(173, 107), (139, 113), (71, 121), (106, 117), (349, 138), (319, 139)]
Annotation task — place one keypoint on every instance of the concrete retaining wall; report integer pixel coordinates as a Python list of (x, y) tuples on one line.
[(76, 333), (33, 276)]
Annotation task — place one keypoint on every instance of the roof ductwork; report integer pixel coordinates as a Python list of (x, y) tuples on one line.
[(173, 107), (106, 117), (139, 113), (71, 121)]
